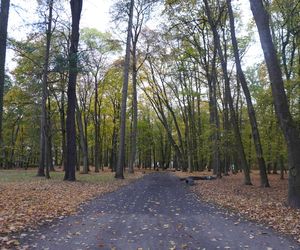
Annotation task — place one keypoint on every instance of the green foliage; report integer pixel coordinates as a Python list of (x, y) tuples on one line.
[(173, 82)]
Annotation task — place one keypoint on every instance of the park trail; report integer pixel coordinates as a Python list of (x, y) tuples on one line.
[(156, 212)]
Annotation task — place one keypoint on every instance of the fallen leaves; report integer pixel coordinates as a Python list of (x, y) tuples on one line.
[(30, 203), (264, 205)]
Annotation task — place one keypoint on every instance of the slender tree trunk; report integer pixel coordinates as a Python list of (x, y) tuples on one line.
[(49, 128), (44, 144), (4, 13), (234, 121), (214, 117), (14, 136), (63, 129), (76, 7), (134, 111), (102, 144), (121, 159), (96, 128), (288, 126), (41, 168), (82, 141), (113, 161), (251, 112), (85, 133)]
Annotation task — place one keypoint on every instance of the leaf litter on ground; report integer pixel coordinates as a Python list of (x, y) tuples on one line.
[(31, 201), (267, 206)]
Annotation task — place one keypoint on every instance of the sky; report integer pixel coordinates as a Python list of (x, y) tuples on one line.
[(95, 13)]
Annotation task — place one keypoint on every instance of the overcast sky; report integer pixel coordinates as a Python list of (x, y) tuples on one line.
[(95, 14)]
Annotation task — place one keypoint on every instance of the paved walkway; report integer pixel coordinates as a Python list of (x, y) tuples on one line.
[(156, 212)]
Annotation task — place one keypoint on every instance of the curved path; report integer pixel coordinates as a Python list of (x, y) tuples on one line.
[(156, 212)]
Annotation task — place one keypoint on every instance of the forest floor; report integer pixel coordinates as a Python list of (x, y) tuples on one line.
[(27, 201), (157, 212), (264, 205)]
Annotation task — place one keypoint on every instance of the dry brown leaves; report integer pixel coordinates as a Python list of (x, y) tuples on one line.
[(28, 204), (264, 205)]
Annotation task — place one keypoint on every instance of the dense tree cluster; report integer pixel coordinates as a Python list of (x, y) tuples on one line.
[(193, 102)]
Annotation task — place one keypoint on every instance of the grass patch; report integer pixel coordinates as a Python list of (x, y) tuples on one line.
[(17, 176), (21, 175)]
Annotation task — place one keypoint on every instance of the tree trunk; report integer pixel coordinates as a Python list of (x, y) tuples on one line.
[(86, 145), (63, 129), (82, 141), (113, 157), (44, 144), (76, 7), (4, 13), (214, 117), (49, 128), (121, 156), (288, 126), (134, 111), (251, 112), (14, 136), (234, 122), (96, 129)]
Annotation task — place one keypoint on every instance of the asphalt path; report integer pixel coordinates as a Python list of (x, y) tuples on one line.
[(155, 212)]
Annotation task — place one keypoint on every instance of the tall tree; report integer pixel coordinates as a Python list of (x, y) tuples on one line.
[(228, 95), (142, 14), (76, 7), (288, 125), (251, 111), (4, 13), (121, 155), (44, 134)]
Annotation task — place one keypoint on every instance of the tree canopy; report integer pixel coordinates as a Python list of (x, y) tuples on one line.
[(185, 96)]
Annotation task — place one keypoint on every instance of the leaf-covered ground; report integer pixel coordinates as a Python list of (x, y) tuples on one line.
[(157, 212), (27, 201), (264, 205)]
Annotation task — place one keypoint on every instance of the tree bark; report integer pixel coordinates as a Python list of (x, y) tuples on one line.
[(96, 128), (63, 129), (82, 141), (76, 7), (49, 139), (4, 13), (251, 112), (44, 133), (134, 110), (288, 126), (121, 155)]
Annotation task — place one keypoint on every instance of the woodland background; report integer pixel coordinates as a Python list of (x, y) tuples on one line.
[(194, 103)]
